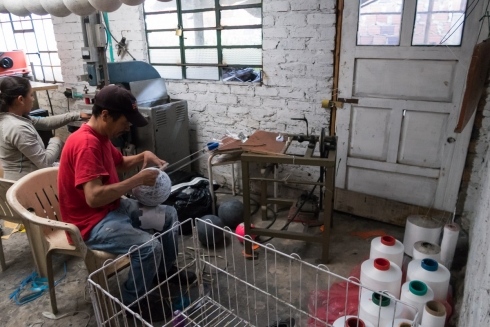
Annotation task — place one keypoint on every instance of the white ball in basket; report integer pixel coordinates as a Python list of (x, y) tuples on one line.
[(154, 195)]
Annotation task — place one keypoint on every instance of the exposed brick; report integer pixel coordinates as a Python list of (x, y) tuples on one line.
[(266, 91), (305, 5), (226, 98), (276, 6), (322, 19)]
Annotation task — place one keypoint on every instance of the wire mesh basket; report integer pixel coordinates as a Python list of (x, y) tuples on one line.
[(272, 289)]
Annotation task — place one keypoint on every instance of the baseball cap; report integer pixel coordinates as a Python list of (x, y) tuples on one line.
[(117, 98)]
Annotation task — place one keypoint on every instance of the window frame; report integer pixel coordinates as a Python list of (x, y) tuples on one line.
[(218, 28), (23, 31)]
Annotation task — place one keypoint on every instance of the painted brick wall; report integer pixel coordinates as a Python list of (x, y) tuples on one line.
[(298, 45)]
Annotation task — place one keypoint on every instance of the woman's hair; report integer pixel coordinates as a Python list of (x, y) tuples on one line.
[(10, 89)]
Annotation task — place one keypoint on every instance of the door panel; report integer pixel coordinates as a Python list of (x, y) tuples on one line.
[(369, 133), (422, 128), (404, 79), (399, 187), (394, 144)]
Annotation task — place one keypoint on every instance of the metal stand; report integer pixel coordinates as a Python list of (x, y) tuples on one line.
[(308, 159)]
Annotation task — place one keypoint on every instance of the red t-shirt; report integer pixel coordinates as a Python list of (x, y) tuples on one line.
[(86, 156)]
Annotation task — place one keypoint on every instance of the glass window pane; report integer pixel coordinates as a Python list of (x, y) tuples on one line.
[(240, 17), (200, 38), (4, 18), (210, 73), (241, 37), (161, 21), (235, 74), (34, 59), (41, 39), (169, 72), (379, 22), (45, 59), (439, 22), (165, 56), (7, 41), (48, 73), (199, 19), (163, 39), (26, 25), (197, 4), (155, 5), (250, 57), (38, 72), (57, 74), (238, 2), (55, 59), (201, 56), (49, 35)]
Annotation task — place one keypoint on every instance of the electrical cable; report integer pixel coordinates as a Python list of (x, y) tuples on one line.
[(295, 214), (444, 38)]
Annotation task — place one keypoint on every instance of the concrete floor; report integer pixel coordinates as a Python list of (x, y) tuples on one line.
[(346, 252)]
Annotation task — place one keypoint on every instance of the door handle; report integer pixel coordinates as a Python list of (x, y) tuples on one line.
[(451, 140)]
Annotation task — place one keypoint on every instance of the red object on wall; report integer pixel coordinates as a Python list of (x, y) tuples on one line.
[(13, 63)]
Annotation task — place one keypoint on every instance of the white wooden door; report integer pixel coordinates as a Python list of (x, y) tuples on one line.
[(398, 142)]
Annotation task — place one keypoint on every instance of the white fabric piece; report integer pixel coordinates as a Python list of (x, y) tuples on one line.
[(153, 217)]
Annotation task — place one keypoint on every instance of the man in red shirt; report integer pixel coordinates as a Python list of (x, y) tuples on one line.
[(90, 197)]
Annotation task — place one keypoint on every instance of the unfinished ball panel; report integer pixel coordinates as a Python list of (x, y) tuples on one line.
[(35, 7), (208, 234), (16, 7), (132, 2), (56, 8), (3, 10), (231, 213), (154, 195), (106, 5), (80, 7)]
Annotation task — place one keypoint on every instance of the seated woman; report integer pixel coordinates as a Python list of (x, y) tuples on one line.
[(21, 148)]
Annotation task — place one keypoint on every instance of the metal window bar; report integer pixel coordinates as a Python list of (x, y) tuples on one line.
[(23, 32), (218, 8), (232, 290)]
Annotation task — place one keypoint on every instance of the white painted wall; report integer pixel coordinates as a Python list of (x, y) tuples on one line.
[(298, 70)]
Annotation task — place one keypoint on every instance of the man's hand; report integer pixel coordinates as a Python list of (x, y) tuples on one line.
[(148, 177), (85, 116), (150, 159)]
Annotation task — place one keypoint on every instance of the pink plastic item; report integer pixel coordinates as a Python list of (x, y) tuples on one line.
[(240, 231)]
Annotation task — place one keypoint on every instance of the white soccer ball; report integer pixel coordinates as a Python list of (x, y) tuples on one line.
[(80, 7), (131, 2), (106, 5), (34, 6), (56, 8), (154, 195), (16, 7)]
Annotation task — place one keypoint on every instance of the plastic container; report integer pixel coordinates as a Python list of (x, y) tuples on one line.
[(370, 309), (435, 275), (381, 275), (389, 248), (421, 228), (423, 250), (434, 314), (400, 323), (351, 321), (415, 293)]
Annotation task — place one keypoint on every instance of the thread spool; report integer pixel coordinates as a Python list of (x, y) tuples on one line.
[(212, 146), (351, 321), (434, 275), (381, 274), (374, 308), (420, 228), (448, 244), (434, 314), (423, 250), (389, 248), (415, 293), (400, 323)]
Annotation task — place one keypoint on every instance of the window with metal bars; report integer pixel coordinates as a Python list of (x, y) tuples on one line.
[(205, 39), (35, 35)]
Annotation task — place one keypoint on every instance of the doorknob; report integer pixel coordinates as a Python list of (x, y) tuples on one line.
[(451, 140)]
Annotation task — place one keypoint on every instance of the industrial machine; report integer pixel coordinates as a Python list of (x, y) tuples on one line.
[(13, 63), (167, 134)]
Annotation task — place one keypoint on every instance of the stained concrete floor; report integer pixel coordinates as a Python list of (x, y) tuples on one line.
[(346, 251)]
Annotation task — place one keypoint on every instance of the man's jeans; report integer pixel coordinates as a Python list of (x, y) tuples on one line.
[(118, 232)]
